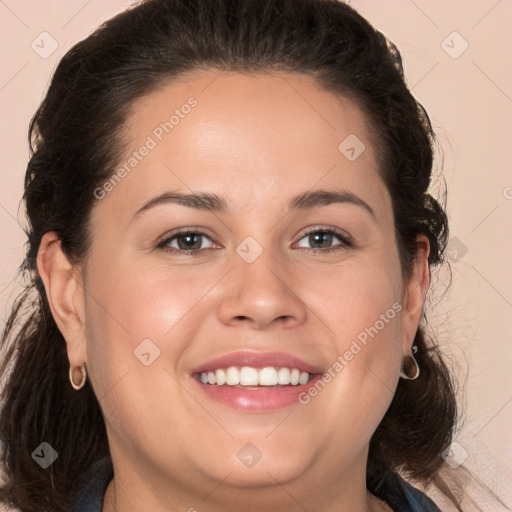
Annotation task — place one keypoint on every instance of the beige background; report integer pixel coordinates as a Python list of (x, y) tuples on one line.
[(469, 99)]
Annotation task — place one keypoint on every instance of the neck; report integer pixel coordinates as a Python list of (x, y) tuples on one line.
[(373, 504), (132, 494)]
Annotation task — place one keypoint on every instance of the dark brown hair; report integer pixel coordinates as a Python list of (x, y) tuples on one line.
[(76, 142)]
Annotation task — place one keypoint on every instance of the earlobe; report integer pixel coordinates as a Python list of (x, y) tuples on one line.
[(64, 290), (415, 291)]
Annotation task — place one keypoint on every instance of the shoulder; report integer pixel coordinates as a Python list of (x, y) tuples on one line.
[(403, 497), (90, 489), (418, 500)]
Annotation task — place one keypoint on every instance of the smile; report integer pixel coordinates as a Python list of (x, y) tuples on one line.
[(256, 381)]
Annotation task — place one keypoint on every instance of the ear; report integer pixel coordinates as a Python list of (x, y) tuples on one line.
[(65, 293), (414, 293)]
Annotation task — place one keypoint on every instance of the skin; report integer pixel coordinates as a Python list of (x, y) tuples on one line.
[(256, 140)]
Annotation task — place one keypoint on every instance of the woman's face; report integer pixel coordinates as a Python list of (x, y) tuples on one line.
[(256, 283)]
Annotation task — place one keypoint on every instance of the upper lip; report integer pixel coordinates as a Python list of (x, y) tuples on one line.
[(257, 360)]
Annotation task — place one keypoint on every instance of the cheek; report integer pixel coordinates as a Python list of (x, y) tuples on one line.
[(137, 311), (357, 296), (133, 309), (361, 306), (142, 301)]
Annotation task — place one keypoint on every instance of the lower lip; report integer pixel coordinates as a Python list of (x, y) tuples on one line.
[(258, 400)]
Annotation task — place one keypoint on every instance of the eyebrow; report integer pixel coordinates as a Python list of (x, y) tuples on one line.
[(217, 204)]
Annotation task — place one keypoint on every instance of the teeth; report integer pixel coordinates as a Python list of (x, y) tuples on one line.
[(233, 376), (220, 376), (267, 377), (248, 376), (283, 376), (303, 378)]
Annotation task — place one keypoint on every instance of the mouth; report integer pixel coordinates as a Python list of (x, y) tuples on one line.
[(257, 382)]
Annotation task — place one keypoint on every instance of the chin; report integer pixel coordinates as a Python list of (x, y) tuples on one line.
[(264, 473)]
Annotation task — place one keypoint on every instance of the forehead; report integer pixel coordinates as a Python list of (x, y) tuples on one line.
[(254, 136)]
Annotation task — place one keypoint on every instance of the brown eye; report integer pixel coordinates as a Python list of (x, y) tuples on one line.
[(185, 242), (321, 240), (189, 241)]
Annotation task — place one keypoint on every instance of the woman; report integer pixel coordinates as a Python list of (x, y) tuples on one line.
[(186, 347)]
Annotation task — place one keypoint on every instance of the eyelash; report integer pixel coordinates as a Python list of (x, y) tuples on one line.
[(345, 242)]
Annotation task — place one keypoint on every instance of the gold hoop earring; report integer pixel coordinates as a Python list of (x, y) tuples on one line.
[(84, 377), (409, 369)]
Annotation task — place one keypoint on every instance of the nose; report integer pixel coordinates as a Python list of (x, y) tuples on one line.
[(262, 293)]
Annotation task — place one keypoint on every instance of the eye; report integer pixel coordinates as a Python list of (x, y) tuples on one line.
[(325, 237), (184, 242), (190, 242)]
